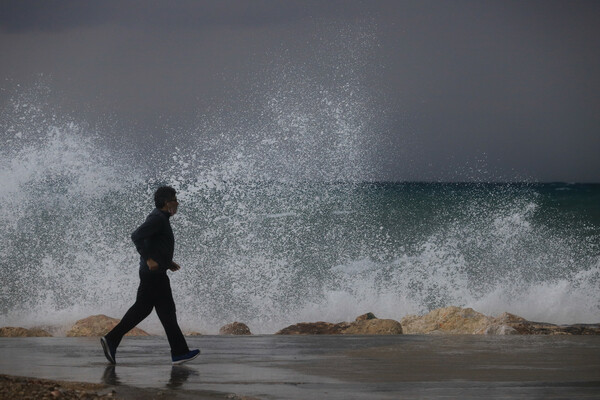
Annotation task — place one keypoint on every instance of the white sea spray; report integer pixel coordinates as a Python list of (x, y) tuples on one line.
[(276, 224)]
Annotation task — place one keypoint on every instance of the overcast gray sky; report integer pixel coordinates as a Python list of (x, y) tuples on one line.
[(447, 90)]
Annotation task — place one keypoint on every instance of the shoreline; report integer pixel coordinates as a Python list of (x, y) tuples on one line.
[(446, 320)]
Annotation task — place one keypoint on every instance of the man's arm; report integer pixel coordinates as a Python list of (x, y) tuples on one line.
[(139, 237), (152, 265)]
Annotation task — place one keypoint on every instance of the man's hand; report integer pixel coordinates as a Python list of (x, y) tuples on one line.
[(153, 265), (174, 266)]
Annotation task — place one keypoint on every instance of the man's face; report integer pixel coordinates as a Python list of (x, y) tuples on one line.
[(171, 206)]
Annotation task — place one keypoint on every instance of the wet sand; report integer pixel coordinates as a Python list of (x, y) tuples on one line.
[(35, 389), (327, 367)]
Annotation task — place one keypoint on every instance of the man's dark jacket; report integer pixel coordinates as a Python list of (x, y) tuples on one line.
[(154, 239)]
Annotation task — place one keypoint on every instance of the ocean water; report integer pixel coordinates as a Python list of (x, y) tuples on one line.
[(278, 225)]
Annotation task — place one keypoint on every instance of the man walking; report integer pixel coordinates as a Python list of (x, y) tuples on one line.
[(155, 242)]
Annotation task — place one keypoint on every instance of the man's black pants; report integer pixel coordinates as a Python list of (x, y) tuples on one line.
[(154, 292)]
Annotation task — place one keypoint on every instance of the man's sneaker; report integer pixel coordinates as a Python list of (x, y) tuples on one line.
[(186, 357), (109, 351)]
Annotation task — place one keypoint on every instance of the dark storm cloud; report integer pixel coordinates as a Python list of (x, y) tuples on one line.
[(22, 16), (510, 88), (58, 15)]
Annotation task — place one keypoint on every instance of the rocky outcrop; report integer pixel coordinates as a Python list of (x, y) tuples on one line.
[(235, 328), (498, 330), (374, 327), (366, 324), (99, 325), (314, 328), (452, 320), (520, 325), (366, 316), (456, 320), (503, 325), (9, 331)]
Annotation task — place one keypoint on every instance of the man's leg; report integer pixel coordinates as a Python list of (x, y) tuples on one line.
[(137, 313), (165, 308)]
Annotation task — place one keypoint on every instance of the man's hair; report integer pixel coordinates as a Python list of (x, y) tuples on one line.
[(162, 195)]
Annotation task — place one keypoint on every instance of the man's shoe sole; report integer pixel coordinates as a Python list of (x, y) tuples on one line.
[(106, 349), (186, 360)]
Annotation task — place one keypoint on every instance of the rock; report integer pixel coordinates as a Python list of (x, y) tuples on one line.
[(235, 328), (192, 333), (99, 325), (508, 318), (496, 329), (374, 327), (362, 327), (456, 320), (448, 320), (366, 316), (524, 327), (313, 328), (10, 331), (452, 320), (504, 325)]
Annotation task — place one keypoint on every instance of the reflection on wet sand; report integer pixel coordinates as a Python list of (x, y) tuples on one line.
[(179, 375)]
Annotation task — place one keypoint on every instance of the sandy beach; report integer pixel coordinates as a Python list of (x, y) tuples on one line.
[(314, 366), (12, 387), (24, 388)]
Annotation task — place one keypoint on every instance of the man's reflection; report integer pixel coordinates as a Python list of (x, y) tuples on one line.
[(110, 377), (179, 375)]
